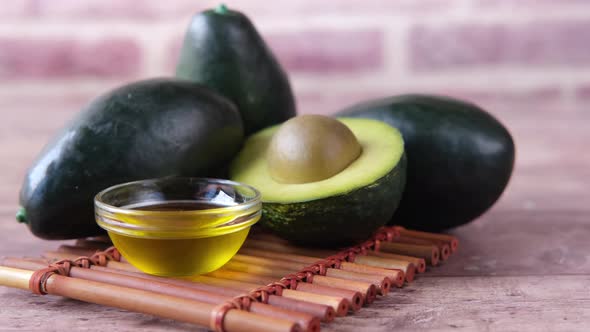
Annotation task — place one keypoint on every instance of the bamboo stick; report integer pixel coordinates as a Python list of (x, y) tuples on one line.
[(382, 283), (234, 288), (430, 253), (222, 286), (279, 255), (367, 289), (284, 264), (333, 295), (444, 248), (419, 263), (14, 278), (396, 276), (354, 298), (341, 309), (330, 304), (287, 248), (408, 269), (312, 303), (445, 251), (387, 263), (341, 305), (303, 305), (335, 288), (227, 283), (146, 302), (258, 280), (306, 322), (275, 272), (352, 286), (22, 263), (259, 275), (325, 312), (452, 241)]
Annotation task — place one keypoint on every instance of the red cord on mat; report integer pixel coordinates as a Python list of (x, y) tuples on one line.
[(38, 280)]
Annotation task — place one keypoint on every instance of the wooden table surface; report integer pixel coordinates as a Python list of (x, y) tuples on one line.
[(524, 265)]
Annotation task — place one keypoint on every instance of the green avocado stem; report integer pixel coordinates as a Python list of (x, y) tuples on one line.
[(221, 9), (21, 215)]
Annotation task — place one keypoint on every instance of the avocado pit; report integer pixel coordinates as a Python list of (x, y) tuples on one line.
[(311, 148)]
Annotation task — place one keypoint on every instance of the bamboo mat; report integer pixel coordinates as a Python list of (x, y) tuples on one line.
[(270, 285)]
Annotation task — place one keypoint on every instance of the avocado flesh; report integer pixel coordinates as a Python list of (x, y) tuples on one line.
[(382, 149), (343, 209)]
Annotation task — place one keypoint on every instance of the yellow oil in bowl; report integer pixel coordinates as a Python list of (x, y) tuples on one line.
[(195, 227)]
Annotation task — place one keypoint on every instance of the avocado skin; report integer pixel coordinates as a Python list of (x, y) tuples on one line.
[(224, 52), (353, 216), (148, 129), (460, 158)]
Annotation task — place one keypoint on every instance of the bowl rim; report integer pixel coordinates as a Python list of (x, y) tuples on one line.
[(130, 230), (100, 204), (109, 217)]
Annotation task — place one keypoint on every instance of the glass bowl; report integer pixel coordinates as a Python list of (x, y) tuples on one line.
[(178, 226)]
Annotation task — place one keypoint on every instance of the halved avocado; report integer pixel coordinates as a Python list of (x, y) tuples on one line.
[(342, 209)]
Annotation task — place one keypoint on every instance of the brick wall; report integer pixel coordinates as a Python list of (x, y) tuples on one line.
[(508, 55), (527, 61)]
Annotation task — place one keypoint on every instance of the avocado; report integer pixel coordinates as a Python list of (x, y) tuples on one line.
[(330, 209), (148, 129), (223, 51), (460, 158)]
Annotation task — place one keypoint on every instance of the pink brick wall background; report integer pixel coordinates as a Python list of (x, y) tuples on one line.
[(506, 55), (523, 60)]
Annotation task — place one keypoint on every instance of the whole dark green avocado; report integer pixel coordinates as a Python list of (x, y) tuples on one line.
[(153, 128), (460, 158), (223, 51)]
